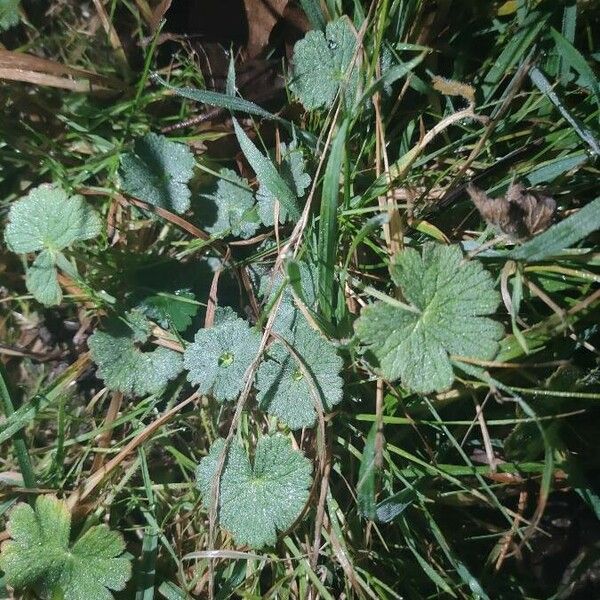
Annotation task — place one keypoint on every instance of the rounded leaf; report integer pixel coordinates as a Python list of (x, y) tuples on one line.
[(219, 357), (48, 219), (158, 172), (257, 501)]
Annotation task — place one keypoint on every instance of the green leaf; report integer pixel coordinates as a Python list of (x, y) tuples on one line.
[(219, 357), (158, 172), (290, 390), (257, 501), (512, 51), (292, 171), (562, 235), (124, 367), (42, 280), (328, 223), (366, 487), (48, 219), (322, 66), (266, 173), (571, 57), (540, 81), (234, 201), (9, 14), (39, 554), (176, 309), (449, 298), (289, 316), (217, 99)]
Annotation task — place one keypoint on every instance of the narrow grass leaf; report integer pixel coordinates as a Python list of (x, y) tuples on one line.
[(571, 57), (544, 86), (266, 172), (313, 11), (513, 51), (392, 74), (217, 99), (555, 168), (328, 223), (569, 25), (365, 488)]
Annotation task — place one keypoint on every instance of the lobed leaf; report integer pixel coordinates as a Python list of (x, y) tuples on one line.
[(266, 173), (158, 172), (126, 368), (9, 14), (450, 298), (42, 280), (292, 391), (234, 202), (256, 501), (39, 554), (323, 66), (48, 219), (292, 171)]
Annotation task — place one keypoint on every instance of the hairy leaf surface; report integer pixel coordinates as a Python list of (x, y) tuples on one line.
[(39, 554), (291, 387), (48, 219), (256, 501), (219, 357), (42, 280), (9, 13), (322, 66), (158, 172), (292, 171), (123, 366), (450, 298), (234, 201)]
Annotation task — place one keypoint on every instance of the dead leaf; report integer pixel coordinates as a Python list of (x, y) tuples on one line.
[(158, 14), (520, 214), (19, 66), (263, 15)]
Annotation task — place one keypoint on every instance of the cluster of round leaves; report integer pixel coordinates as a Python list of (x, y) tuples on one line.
[(159, 171), (299, 376)]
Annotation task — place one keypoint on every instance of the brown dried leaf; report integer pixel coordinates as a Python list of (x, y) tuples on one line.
[(263, 15), (19, 66), (520, 214)]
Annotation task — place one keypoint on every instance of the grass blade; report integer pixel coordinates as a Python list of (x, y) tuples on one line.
[(18, 440), (365, 488), (217, 99), (544, 86), (571, 58), (313, 11), (266, 172), (328, 224), (512, 52)]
